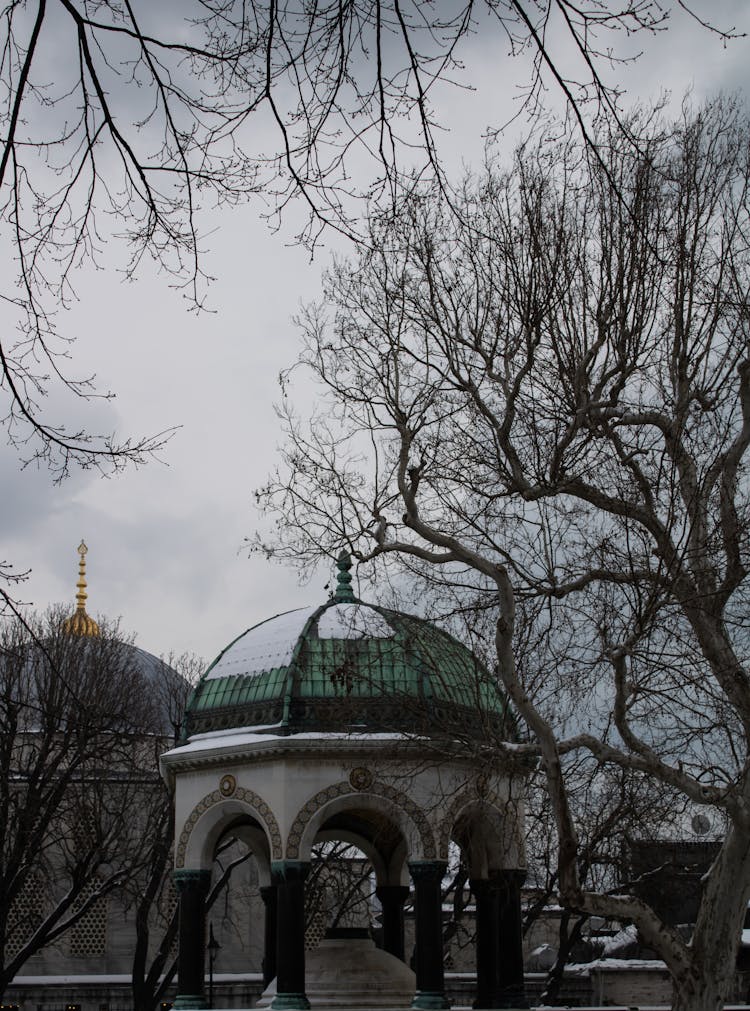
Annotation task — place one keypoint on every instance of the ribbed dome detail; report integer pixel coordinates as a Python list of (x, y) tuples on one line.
[(347, 666)]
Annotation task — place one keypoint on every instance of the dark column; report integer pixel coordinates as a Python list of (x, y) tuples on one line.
[(427, 876), (510, 949), (487, 924), (289, 878), (268, 894), (192, 887), (392, 899)]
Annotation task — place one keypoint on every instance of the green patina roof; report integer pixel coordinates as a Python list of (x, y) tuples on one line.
[(345, 666)]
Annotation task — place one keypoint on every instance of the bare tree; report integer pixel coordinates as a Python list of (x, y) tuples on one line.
[(339, 890), (147, 893), (122, 118), (78, 771), (548, 403), (611, 805), (156, 910)]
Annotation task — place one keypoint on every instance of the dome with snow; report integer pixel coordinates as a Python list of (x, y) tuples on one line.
[(350, 667)]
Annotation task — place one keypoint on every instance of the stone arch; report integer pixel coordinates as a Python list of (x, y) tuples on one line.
[(365, 845), (253, 838), (373, 790), (486, 804), (218, 803)]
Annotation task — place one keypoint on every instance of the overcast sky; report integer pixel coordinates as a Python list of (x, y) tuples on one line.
[(166, 541)]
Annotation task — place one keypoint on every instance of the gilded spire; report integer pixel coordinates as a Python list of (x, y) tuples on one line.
[(80, 623)]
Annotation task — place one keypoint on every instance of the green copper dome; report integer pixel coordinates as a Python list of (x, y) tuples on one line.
[(347, 667)]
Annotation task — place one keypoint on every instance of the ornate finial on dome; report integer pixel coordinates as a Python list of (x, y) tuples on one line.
[(343, 592), (81, 623)]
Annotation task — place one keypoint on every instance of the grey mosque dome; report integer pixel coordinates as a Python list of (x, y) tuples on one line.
[(347, 666), (165, 686)]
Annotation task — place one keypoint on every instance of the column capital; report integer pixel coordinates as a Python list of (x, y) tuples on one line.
[(289, 870), (427, 870), (188, 878)]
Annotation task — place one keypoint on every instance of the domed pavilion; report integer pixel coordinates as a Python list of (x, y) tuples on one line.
[(352, 722)]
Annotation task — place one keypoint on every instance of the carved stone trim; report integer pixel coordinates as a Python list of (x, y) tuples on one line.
[(259, 807), (377, 789)]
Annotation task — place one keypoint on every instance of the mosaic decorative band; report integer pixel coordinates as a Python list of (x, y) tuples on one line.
[(375, 789), (256, 803)]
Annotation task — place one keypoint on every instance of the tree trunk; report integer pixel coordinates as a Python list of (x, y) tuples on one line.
[(567, 939), (708, 981), (697, 991)]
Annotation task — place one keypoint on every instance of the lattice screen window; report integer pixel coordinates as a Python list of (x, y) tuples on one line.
[(25, 916), (167, 902), (460, 955), (89, 936), (315, 931), (166, 908)]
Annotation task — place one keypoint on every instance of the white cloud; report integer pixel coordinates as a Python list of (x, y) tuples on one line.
[(166, 540)]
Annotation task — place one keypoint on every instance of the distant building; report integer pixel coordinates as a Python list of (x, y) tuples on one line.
[(91, 963)]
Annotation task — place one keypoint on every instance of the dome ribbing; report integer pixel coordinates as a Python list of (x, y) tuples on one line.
[(347, 666)]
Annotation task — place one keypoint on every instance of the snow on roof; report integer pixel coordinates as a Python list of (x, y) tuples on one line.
[(271, 644), (353, 621), (264, 647), (617, 965), (242, 736)]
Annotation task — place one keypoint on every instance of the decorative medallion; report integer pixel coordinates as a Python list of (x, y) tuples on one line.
[(361, 778), (228, 785)]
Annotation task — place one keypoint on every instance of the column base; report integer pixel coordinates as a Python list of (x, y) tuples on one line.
[(190, 1002), (429, 1001), (290, 1002)]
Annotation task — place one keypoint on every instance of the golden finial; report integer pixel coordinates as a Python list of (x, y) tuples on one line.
[(80, 623)]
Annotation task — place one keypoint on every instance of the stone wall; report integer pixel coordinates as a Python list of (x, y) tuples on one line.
[(113, 993)]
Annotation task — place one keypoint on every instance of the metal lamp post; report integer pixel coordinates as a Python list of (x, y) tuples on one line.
[(213, 947)]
